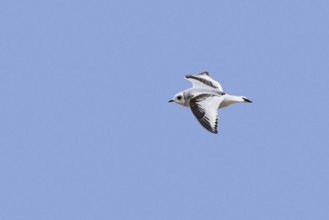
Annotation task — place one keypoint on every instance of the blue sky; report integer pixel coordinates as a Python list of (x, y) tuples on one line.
[(87, 131)]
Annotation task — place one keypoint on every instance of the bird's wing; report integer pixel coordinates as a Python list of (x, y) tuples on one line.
[(203, 80), (204, 108)]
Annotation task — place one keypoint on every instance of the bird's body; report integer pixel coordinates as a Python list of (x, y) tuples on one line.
[(192, 92), (204, 98)]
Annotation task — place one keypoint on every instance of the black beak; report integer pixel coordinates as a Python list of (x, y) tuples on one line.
[(171, 100), (247, 100)]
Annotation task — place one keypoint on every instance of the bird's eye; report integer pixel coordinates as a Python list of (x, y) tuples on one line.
[(179, 97)]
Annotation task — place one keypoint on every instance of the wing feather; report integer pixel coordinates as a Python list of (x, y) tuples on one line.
[(204, 108), (203, 80)]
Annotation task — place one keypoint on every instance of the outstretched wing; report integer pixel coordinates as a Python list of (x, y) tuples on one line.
[(204, 80), (204, 108)]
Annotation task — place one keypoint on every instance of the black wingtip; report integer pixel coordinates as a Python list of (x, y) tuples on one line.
[(247, 100), (200, 74), (204, 73), (214, 131), (210, 129)]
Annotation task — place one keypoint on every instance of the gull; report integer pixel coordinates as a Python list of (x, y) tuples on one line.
[(204, 99)]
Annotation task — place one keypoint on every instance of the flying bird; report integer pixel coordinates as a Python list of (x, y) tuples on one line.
[(204, 99)]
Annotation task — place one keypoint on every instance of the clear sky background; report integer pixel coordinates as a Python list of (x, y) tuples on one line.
[(86, 130)]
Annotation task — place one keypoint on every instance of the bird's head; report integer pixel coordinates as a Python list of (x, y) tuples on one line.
[(178, 98)]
